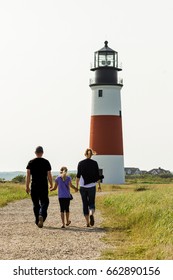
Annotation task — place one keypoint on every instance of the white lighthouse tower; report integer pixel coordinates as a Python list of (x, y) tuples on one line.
[(106, 117)]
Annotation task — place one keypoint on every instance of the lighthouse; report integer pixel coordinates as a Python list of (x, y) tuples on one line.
[(106, 116)]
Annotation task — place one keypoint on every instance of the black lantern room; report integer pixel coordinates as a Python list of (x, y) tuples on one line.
[(106, 66)]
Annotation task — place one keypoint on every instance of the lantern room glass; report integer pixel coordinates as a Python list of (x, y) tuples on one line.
[(103, 59)]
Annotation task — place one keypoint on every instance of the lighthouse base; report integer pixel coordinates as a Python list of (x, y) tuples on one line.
[(112, 168)]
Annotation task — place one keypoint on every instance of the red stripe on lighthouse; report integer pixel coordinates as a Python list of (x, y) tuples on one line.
[(106, 135)]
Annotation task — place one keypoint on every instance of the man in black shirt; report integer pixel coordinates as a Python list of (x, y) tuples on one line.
[(39, 169)]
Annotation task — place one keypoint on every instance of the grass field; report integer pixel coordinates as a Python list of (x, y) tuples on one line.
[(138, 218), (139, 222), (10, 192)]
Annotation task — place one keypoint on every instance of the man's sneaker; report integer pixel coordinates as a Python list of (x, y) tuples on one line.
[(40, 221), (91, 220)]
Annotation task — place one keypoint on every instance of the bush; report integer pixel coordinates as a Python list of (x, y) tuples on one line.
[(2, 180), (73, 176), (19, 179), (168, 175)]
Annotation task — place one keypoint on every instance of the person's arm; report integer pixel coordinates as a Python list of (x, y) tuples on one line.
[(97, 172), (28, 180), (72, 186), (77, 183), (99, 186), (78, 175), (55, 187), (98, 176), (49, 175)]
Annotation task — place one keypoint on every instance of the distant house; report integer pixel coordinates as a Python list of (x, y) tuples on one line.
[(159, 171), (143, 172), (132, 171), (154, 171)]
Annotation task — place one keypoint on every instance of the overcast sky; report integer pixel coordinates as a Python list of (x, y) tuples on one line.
[(46, 48)]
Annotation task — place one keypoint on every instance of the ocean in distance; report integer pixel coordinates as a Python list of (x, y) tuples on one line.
[(9, 175)]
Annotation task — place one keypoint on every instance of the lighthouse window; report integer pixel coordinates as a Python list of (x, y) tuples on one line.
[(100, 93)]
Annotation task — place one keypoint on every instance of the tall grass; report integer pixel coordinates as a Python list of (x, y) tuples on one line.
[(138, 219), (150, 179), (10, 192), (139, 222)]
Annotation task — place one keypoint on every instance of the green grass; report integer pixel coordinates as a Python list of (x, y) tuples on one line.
[(11, 192), (149, 179), (138, 218), (139, 222)]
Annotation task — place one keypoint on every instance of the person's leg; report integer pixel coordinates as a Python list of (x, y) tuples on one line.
[(44, 201), (91, 202), (87, 220), (62, 219), (84, 196), (36, 205), (91, 198), (62, 209), (68, 222)]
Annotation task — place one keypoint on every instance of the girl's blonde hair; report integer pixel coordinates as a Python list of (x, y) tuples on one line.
[(63, 171)]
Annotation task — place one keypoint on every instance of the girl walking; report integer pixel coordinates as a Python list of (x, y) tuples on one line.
[(63, 183)]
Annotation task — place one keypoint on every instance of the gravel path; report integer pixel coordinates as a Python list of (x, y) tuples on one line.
[(20, 238)]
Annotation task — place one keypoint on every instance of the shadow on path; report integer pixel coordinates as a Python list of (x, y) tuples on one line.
[(77, 229)]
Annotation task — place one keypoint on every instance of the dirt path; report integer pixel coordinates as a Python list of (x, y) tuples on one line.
[(20, 238)]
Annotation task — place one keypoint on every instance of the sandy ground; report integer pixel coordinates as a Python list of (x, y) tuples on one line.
[(20, 238)]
